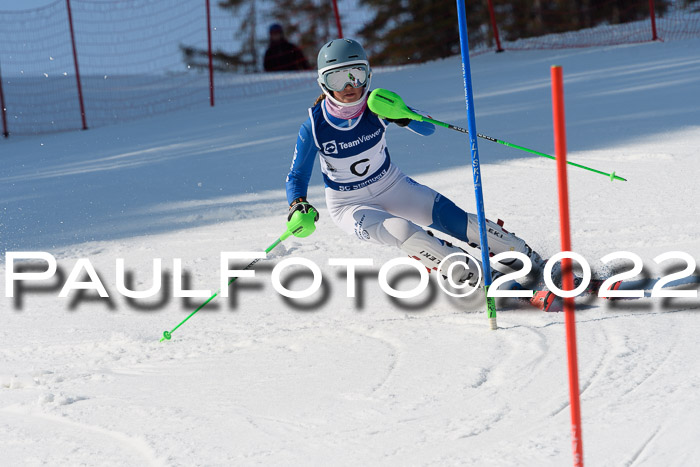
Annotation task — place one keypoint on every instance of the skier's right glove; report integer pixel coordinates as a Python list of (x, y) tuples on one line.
[(300, 204), (302, 217)]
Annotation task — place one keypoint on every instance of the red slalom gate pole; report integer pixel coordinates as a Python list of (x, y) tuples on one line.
[(211, 61), (337, 19), (77, 68), (567, 274)]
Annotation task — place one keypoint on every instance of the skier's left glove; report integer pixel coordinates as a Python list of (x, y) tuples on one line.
[(399, 121)]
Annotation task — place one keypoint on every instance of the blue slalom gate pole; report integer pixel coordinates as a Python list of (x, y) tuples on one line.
[(476, 169)]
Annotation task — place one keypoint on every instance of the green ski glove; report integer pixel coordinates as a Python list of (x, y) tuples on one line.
[(302, 217)]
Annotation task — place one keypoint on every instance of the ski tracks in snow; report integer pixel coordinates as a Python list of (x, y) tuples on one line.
[(621, 372), (62, 440), (45, 420)]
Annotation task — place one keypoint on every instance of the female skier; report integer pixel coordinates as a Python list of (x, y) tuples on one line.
[(366, 194)]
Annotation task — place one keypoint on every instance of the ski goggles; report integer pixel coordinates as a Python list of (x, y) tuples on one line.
[(355, 76)]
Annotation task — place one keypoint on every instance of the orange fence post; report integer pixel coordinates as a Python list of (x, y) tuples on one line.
[(3, 111), (77, 68), (494, 27), (337, 19), (209, 55), (652, 15)]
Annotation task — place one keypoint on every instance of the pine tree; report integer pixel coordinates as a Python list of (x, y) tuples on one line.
[(309, 22), (247, 56), (624, 11), (404, 31), (246, 59), (519, 19)]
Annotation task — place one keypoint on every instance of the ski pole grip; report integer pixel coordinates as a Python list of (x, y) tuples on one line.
[(388, 104)]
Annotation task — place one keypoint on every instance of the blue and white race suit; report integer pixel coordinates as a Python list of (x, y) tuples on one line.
[(370, 197)]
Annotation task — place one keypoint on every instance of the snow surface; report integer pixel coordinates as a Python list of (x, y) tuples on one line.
[(330, 380)]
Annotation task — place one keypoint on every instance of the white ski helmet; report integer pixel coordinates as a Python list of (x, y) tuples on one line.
[(342, 54)]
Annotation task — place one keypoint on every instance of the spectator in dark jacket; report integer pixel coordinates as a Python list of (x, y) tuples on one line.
[(282, 55)]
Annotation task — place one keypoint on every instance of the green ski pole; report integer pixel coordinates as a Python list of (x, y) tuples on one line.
[(168, 334), (302, 224), (388, 104)]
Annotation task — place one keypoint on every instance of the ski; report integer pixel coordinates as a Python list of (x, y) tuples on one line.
[(543, 299), (595, 284)]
